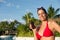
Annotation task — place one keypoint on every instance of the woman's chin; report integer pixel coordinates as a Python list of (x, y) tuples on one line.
[(42, 19)]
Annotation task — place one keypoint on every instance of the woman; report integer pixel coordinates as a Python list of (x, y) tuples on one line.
[(47, 28)]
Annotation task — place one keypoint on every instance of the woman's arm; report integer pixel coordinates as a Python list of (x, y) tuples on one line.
[(34, 32), (56, 26)]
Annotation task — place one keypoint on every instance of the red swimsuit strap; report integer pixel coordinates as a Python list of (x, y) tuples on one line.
[(47, 31)]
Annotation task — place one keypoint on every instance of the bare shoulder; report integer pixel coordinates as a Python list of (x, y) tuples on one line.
[(53, 25), (51, 21)]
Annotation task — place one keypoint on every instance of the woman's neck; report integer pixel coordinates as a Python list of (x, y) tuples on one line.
[(44, 21)]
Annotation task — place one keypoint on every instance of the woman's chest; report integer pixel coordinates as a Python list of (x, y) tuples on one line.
[(44, 28)]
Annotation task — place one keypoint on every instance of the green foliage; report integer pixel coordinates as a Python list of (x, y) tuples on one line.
[(3, 25), (7, 26), (57, 34), (52, 12), (27, 17), (23, 30)]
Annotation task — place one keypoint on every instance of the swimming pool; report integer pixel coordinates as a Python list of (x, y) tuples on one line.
[(8, 37)]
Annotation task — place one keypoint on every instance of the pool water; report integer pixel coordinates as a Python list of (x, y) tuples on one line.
[(9, 37)]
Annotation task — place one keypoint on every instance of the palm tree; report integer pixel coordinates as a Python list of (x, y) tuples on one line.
[(57, 16), (27, 17), (52, 12), (3, 25)]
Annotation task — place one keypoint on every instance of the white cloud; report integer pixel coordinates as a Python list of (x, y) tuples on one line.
[(10, 4), (4, 20), (17, 6), (27, 10), (9, 20), (2, 1)]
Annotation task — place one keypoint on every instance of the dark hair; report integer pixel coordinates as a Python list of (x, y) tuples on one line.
[(41, 8)]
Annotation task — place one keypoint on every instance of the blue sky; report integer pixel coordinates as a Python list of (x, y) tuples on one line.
[(15, 9)]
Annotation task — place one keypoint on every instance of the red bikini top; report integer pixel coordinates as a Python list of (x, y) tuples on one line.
[(47, 32)]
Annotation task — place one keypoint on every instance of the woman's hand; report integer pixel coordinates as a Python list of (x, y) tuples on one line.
[(32, 26)]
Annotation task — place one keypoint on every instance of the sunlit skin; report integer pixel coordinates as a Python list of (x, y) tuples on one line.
[(53, 26), (42, 16)]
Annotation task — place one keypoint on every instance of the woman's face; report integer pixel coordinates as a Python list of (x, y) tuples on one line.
[(42, 16)]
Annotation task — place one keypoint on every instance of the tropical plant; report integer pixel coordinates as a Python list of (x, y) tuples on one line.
[(52, 12), (27, 17)]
